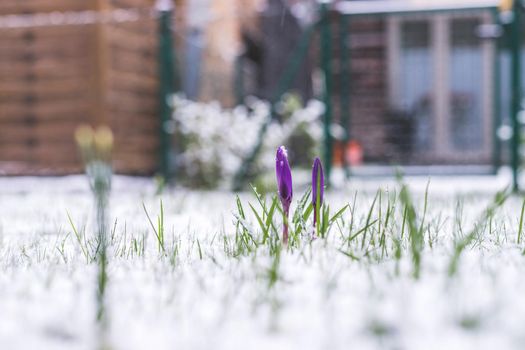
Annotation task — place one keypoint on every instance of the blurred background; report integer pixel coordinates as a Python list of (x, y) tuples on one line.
[(202, 91)]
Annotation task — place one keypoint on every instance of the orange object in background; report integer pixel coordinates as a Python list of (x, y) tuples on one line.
[(354, 153)]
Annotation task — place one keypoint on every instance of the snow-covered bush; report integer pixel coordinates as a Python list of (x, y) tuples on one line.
[(212, 141)]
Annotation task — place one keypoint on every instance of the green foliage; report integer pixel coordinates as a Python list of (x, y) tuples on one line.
[(159, 230), (81, 239), (463, 242), (415, 231), (265, 230), (520, 227)]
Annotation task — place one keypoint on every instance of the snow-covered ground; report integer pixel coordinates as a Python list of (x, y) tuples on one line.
[(198, 296)]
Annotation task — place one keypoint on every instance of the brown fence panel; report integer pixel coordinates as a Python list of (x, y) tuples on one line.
[(53, 78)]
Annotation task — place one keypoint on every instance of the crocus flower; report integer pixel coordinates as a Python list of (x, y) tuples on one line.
[(317, 188), (284, 186)]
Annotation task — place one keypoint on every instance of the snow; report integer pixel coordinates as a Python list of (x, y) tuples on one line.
[(410, 6), (322, 300)]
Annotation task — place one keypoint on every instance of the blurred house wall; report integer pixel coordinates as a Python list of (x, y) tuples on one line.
[(209, 44), (368, 85)]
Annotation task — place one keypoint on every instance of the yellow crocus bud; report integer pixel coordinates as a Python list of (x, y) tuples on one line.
[(104, 141), (84, 137)]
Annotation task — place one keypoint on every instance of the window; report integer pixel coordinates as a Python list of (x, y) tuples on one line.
[(440, 72)]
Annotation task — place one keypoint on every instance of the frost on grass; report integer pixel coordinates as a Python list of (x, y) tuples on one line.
[(354, 288)]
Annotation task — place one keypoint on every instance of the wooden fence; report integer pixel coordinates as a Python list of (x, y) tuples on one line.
[(53, 78)]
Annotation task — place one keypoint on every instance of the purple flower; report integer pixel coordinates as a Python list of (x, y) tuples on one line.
[(284, 186), (317, 183)]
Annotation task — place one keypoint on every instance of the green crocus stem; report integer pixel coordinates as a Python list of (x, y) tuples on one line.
[(101, 187), (285, 225), (317, 202), (316, 217)]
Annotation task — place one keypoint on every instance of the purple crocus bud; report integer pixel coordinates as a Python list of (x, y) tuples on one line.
[(284, 186), (317, 183)]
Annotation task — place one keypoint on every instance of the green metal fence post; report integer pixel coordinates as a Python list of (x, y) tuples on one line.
[(326, 58), (344, 96), (167, 85), (515, 90), (496, 91)]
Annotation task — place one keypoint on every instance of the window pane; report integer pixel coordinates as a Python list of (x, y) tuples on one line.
[(416, 85), (466, 86)]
